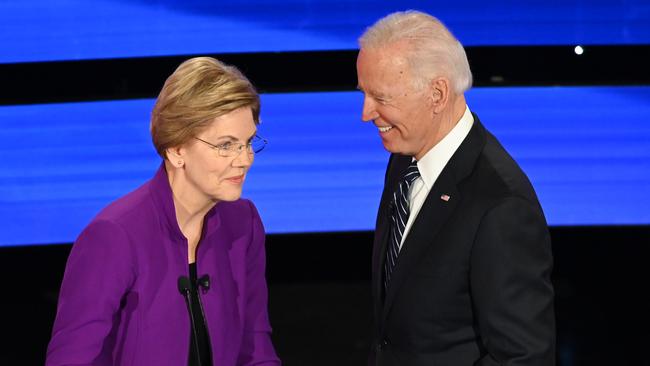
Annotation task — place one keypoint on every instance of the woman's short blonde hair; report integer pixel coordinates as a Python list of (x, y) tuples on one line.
[(201, 89)]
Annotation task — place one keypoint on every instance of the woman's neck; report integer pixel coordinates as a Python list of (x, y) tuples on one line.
[(190, 209)]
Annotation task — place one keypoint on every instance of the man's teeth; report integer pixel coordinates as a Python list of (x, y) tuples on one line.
[(385, 129)]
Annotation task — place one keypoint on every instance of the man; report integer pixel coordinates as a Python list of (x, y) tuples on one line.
[(462, 255)]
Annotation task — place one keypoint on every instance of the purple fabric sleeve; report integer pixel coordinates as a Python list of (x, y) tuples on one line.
[(98, 274), (256, 348)]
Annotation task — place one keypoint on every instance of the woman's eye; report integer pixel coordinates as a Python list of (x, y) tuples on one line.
[(226, 146)]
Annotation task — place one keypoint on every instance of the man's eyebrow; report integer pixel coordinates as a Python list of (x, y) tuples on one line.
[(373, 93), (378, 95)]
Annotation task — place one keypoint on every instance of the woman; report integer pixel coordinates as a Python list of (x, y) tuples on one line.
[(173, 272)]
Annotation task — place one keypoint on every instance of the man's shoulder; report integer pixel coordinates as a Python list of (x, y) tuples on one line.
[(498, 174)]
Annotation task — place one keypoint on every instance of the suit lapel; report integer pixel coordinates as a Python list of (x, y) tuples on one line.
[(433, 214), (430, 220), (396, 165)]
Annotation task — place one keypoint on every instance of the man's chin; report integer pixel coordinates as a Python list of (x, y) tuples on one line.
[(391, 148)]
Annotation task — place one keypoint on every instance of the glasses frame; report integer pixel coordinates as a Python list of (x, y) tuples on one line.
[(237, 147)]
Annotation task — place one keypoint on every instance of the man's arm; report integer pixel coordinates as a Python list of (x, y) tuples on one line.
[(512, 293)]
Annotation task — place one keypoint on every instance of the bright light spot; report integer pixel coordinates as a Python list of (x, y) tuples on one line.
[(578, 50)]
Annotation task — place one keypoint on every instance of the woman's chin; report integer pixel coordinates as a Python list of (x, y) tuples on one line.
[(228, 196)]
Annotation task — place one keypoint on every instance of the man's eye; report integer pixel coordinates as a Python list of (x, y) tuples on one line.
[(381, 100)]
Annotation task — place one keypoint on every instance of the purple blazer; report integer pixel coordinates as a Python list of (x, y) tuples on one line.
[(119, 302)]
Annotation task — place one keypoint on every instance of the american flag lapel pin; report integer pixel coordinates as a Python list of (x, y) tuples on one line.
[(445, 197)]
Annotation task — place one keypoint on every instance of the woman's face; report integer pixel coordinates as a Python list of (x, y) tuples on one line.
[(208, 174)]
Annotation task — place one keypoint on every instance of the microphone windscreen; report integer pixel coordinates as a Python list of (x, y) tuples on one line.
[(204, 282), (183, 284)]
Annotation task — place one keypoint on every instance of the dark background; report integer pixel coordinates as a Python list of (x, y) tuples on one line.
[(320, 300)]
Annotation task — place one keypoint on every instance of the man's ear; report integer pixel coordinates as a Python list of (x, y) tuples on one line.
[(176, 155), (439, 94)]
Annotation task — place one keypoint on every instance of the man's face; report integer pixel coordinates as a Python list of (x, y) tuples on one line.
[(403, 115)]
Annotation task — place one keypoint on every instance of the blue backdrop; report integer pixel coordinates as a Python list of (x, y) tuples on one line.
[(37, 30), (586, 150)]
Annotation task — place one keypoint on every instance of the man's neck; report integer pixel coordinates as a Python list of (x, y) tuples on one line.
[(447, 120)]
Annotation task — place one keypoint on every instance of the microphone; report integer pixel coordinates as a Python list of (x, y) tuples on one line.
[(204, 282), (184, 288), (184, 285)]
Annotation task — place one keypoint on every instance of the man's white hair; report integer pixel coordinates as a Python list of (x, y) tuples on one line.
[(432, 50)]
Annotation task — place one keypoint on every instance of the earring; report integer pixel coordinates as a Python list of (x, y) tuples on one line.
[(180, 162)]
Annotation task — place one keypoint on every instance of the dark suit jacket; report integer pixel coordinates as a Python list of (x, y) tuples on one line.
[(472, 282)]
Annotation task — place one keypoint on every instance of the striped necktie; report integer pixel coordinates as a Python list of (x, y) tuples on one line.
[(399, 216)]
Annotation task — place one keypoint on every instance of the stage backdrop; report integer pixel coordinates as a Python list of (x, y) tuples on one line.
[(585, 149), (40, 30)]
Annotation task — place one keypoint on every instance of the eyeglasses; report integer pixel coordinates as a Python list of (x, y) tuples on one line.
[(230, 149)]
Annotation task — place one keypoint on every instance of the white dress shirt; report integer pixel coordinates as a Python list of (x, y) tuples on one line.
[(431, 165)]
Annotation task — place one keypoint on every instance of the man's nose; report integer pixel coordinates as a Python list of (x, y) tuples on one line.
[(369, 112)]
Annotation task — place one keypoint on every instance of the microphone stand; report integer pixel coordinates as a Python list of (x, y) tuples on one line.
[(184, 289)]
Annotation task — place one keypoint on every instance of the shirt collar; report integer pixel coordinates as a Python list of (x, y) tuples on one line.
[(432, 163)]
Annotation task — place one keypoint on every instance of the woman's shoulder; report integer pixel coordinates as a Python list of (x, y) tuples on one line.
[(120, 223), (128, 209)]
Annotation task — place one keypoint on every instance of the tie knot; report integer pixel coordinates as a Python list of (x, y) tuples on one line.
[(412, 173)]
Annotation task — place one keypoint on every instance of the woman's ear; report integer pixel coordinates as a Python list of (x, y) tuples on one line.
[(439, 94), (176, 155)]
